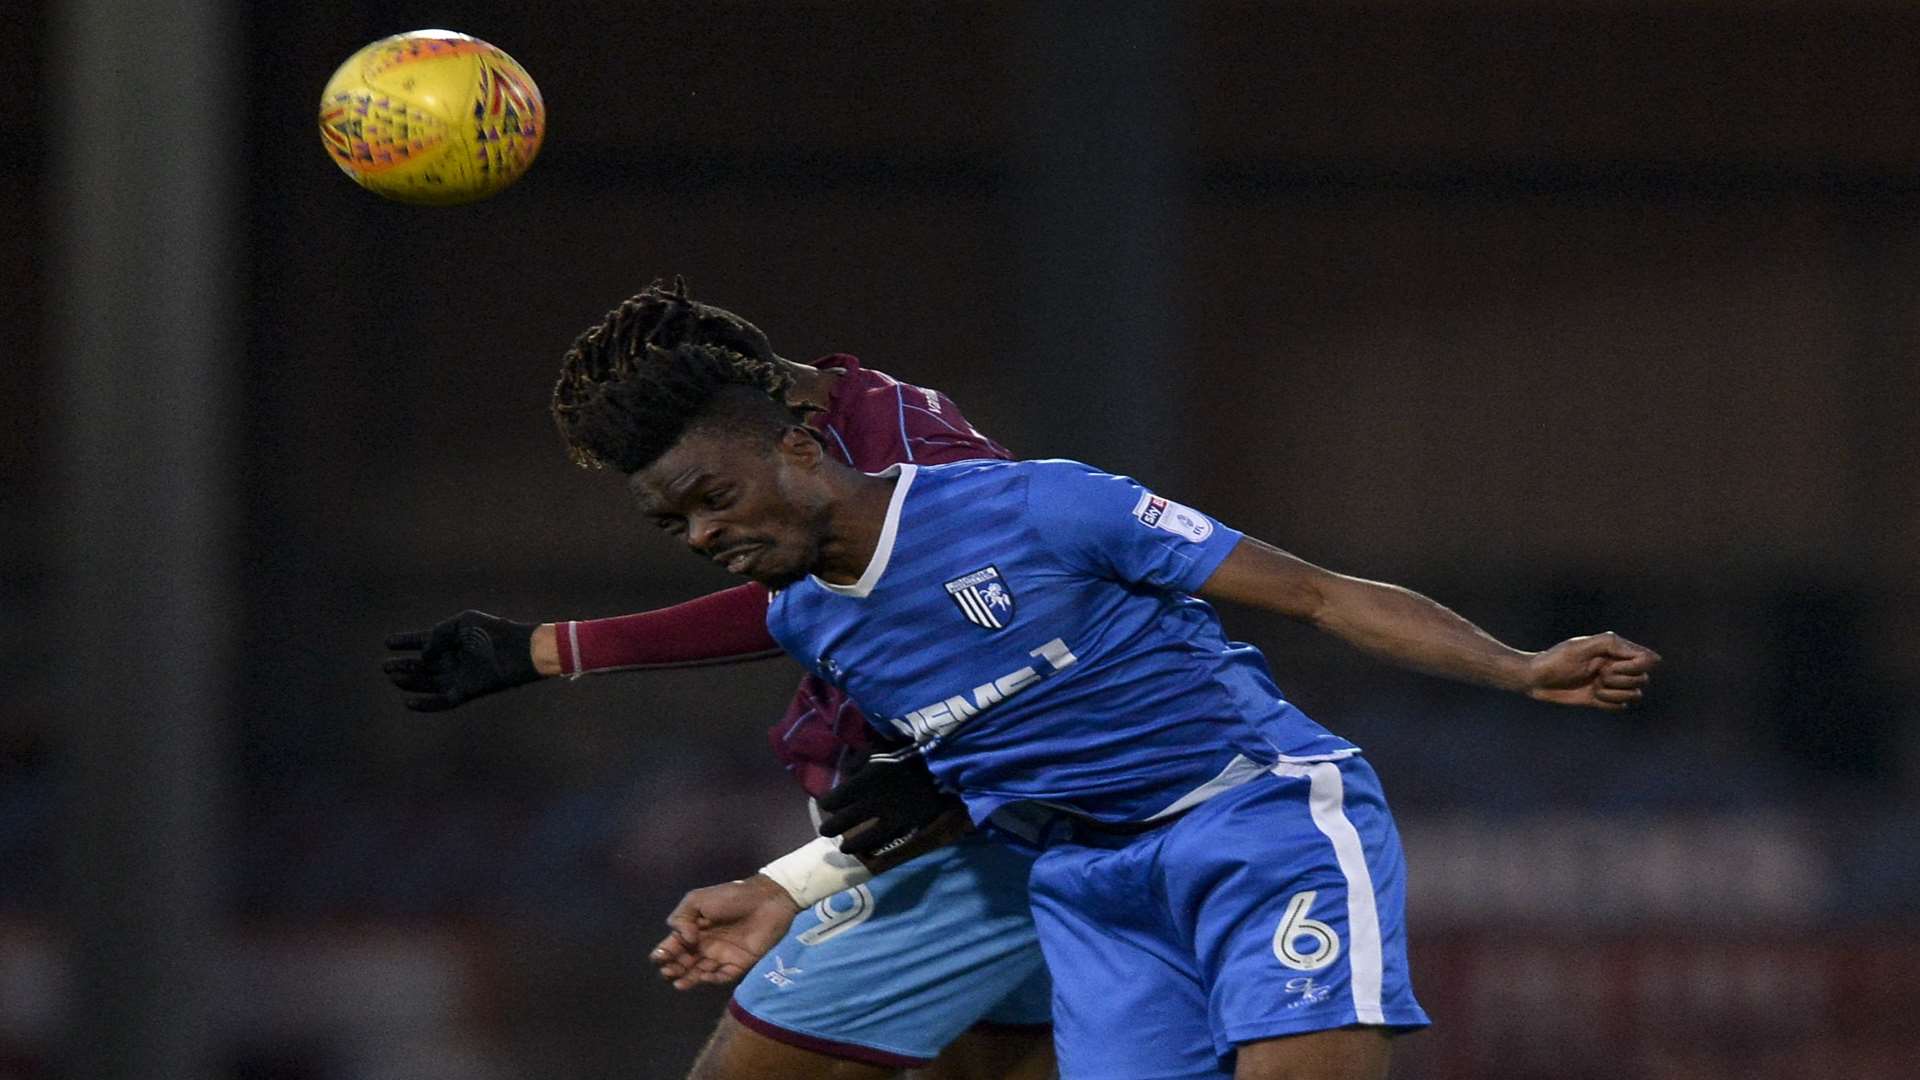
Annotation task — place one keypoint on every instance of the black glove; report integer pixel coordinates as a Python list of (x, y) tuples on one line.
[(470, 655), (896, 791)]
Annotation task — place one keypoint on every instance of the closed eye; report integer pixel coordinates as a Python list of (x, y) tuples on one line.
[(670, 524)]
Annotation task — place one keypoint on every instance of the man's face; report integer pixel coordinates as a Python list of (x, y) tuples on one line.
[(753, 508)]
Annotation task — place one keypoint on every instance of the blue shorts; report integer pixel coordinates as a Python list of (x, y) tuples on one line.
[(1273, 909), (891, 972)]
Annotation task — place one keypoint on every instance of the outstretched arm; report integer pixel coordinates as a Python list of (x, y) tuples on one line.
[(729, 626), (474, 654), (1603, 671), (719, 932)]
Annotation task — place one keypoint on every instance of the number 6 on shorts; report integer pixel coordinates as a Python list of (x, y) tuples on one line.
[(1295, 925)]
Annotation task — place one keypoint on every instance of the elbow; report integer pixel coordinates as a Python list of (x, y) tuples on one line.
[(1329, 601), (1312, 605)]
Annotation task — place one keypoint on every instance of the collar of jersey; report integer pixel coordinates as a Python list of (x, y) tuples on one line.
[(882, 551)]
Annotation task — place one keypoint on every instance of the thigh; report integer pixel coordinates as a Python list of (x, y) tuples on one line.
[(1358, 1053), (1127, 1000), (1013, 1041), (737, 1052), (890, 973), (994, 1054), (1290, 890)]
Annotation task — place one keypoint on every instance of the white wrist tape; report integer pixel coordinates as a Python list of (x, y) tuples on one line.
[(812, 873)]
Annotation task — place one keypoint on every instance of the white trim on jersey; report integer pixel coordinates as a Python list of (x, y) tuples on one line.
[(900, 397), (1326, 802), (1238, 771), (882, 551)]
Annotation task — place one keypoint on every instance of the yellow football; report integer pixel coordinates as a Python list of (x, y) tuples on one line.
[(432, 117)]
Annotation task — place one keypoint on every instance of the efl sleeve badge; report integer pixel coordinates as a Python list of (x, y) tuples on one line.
[(1182, 521)]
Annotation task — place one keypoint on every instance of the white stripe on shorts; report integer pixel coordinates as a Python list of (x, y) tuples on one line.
[(1326, 801)]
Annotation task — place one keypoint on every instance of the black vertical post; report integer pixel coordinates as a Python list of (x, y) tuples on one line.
[(142, 320), (1098, 190)]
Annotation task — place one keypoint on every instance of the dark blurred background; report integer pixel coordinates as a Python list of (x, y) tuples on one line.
[(1576, 316)]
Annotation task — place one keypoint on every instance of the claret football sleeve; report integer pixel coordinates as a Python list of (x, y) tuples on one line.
[(723, 627), (1113, 527)]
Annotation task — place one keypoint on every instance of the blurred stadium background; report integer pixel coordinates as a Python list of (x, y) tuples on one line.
[(1575, 315)]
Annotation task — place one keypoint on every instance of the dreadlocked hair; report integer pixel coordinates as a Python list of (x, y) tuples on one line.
[(667, 317), (627, 421), (631, 386)]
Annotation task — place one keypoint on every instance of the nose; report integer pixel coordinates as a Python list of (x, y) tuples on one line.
[(702, 533)]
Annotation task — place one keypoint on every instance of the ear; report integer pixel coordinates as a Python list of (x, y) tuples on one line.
[(800, 447)]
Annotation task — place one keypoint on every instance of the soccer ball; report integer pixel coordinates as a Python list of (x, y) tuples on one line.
[(432, 117)]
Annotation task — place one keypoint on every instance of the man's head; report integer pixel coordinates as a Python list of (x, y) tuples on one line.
[(708, 443), (665, 317), (635, 345)]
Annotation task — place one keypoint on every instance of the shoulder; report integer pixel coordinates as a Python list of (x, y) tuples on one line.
[(858, 389), (976, 472), (1047, 485), (1042, 471), (845, 362), (862, 396), (862, 384), (855, 377), (1066, 476), (878, 419), (782, 606), (974, 483)]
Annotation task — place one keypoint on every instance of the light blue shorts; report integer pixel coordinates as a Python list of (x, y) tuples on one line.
[(1274, 909), (891, 972)]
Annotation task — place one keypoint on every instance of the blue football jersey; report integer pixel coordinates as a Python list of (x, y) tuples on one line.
[(1029, 624)]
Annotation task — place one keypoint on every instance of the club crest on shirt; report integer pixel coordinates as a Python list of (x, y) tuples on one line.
[(983, 597), (1182, 521)]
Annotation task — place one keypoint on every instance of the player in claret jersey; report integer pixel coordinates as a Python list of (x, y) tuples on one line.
[(935, 967), (1219, 885)]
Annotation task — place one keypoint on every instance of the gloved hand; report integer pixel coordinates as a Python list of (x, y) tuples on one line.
[(470, 655), (894, 792)]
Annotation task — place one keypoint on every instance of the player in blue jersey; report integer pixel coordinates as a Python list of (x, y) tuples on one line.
[(934, 970), (1219, 887)]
